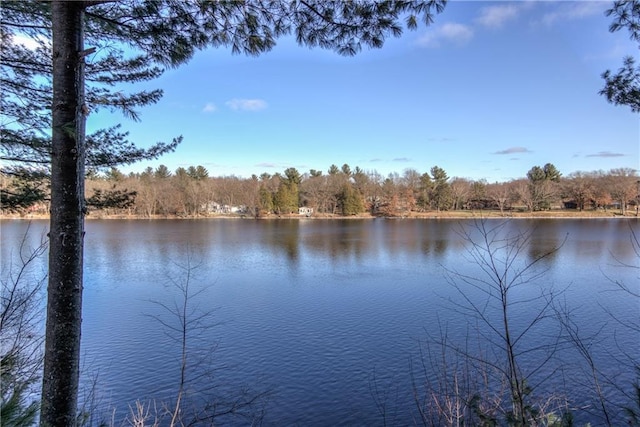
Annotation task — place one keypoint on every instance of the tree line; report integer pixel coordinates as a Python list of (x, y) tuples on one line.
[(192, 192)]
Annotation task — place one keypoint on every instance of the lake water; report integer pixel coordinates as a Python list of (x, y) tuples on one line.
[(328, 316)]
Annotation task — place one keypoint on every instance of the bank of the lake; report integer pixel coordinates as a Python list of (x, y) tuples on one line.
[(556, 214)]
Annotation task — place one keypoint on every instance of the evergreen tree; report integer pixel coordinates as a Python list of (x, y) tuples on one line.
[(23, 188), (440, 190), (285, 200), (536, 174), (114, 174), (360, 180), (551, 173), (350, 201), (265, 199), (542, 186), (293, 177), (426, 186), (162, 172), (119, 199), (181, 173), (198, 173), (623, 87)]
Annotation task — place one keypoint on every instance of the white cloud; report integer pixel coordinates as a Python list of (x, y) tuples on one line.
[(268, 165), (497, 16), (606, 154), (246, 104), (450, 32), (574, 10), (210, 108), (28, 42)]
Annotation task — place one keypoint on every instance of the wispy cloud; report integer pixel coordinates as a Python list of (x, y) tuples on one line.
[(513, 150), (209, 165), (376, 160), (210, 107), (267, 165), (605, 154), (402, 159), (497, 16), (574, 10), (447, 33), (238, 104)]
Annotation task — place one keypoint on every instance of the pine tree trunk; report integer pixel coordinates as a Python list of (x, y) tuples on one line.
[(64, 304)]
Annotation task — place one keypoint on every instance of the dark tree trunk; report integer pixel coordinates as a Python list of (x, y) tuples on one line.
[(64, 304)]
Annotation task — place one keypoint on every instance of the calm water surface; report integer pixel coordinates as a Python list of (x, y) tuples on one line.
[(319, 312)]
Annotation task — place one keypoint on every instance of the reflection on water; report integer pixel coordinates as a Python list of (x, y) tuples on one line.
[(114, 242), (313, 307)]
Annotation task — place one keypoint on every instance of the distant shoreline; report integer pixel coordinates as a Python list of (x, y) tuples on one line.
[(554, 214)]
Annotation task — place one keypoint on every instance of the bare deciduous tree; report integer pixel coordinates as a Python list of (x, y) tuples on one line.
[(189, 326), (483, 376), (606, 390), (21, 315)]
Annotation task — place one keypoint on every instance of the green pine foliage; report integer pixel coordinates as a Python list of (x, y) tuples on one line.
[(350, 201), (113, 198), (542, 186), (285, 201), (623, 87), (265, 200), (22, 188), (16, 409)]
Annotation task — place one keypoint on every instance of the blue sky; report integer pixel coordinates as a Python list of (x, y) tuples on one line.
[(488, 91)]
